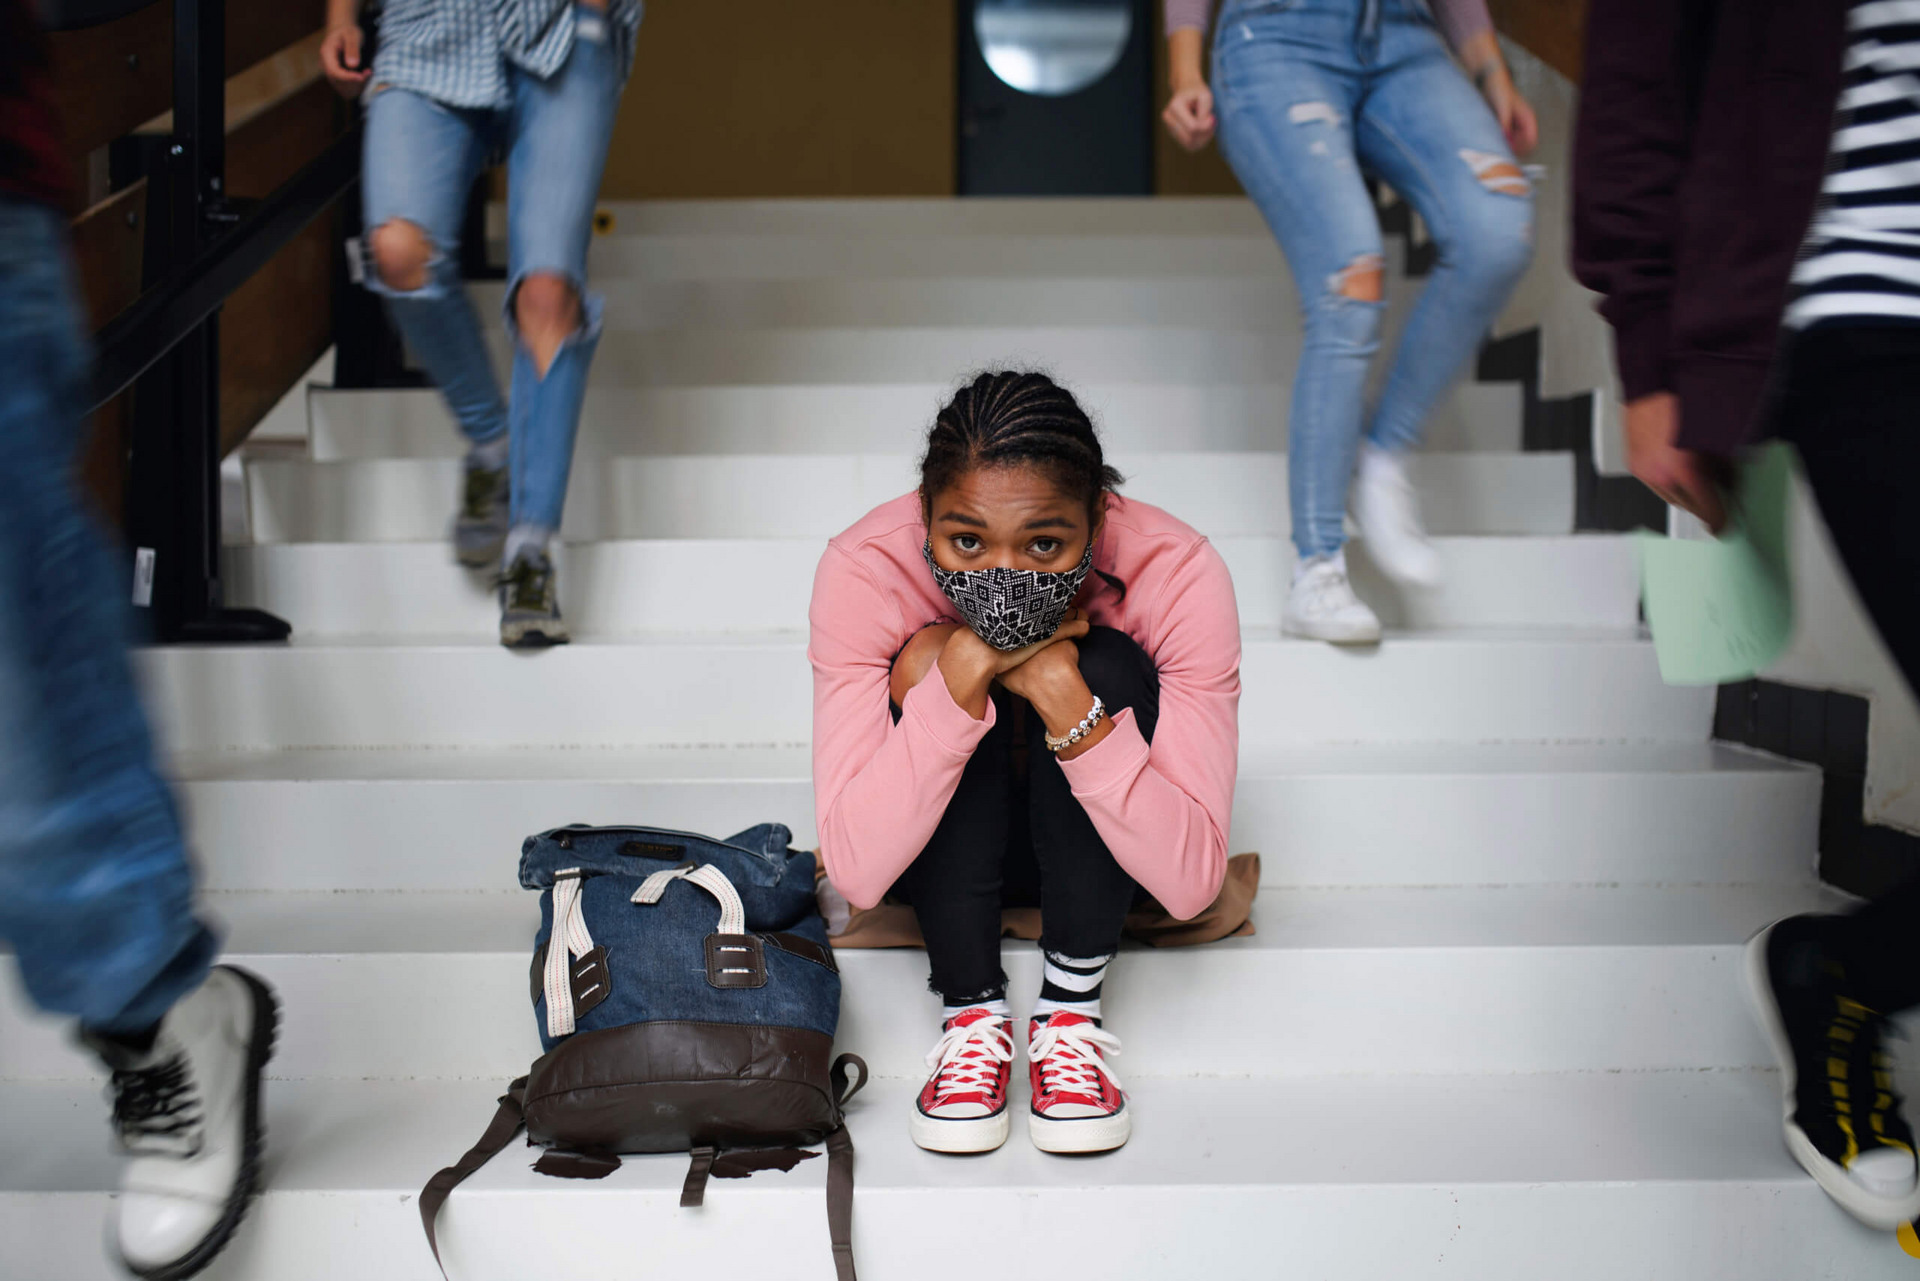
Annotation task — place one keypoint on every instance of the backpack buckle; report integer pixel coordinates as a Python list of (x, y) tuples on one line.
[(736, 960)]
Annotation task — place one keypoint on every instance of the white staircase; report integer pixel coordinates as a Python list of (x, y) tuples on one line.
[(1490, 1026)]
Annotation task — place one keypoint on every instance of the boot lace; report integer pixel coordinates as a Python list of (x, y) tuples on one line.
[(968, 1058), (158, 1108), (528, 584), (1069, 1057)]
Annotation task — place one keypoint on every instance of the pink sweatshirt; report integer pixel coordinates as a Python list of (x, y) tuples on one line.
[(880, 788), (1459, 20)]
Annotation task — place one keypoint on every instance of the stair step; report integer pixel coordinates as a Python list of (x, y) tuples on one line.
[(889, 354), (613, 261), (809, 418), (1446, 814), (1029, 216), (1659, 1177), (1469, 686), (1481, 979), (817, 496), (629, 587)]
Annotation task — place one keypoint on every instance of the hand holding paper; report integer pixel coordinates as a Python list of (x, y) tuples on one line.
[(1722, 610)]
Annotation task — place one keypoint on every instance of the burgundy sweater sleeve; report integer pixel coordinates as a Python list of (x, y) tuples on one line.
[(1189, 13), (1165, 809), (879, 788), (1631, 149)]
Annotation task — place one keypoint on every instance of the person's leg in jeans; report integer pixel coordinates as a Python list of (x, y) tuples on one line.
[(955, 889), (1428, 134), (96, 893), (419, 161), (1287, 95), (1078, 1105), (559, 130), (1826, 985)]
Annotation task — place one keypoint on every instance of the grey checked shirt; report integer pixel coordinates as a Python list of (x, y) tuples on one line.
[(458, 52)]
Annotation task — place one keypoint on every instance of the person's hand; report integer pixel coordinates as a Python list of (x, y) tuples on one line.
[(340, 59), (1189, 115), (1514, 112), (1055, 661), (998, 662), (1679, 476)]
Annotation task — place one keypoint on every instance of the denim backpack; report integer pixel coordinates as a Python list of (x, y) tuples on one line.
[(687, 998)]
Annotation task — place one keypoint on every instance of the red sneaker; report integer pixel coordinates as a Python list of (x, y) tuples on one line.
[(963, 1106), (1078, 1105)]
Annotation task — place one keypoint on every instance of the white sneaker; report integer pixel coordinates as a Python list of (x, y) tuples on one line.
[(1388, 514), (1322, 605), (963, 1105), (187, 1113)]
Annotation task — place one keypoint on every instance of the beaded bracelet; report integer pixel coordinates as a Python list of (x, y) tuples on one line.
[(1080, 731)]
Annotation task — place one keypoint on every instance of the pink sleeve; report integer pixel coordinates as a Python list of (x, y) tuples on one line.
[(879, 788), (1459, 20), (1189, 13), (1164, 810)]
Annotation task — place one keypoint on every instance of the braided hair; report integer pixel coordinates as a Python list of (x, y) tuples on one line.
[(1009, 418)]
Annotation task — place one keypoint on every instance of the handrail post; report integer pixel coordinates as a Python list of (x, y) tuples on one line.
[(174, 492)]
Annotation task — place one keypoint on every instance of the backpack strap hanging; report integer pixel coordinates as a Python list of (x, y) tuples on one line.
[(506, 1123), (840, 1167)]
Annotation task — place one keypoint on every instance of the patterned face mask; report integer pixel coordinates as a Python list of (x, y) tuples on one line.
[(1011, 608)]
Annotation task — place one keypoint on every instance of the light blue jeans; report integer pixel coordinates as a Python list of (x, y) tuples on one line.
[(420, 161), (1311, 93), (96, 895)]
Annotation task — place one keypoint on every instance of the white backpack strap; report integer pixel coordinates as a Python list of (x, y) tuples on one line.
[(568, 939), (733, 913)]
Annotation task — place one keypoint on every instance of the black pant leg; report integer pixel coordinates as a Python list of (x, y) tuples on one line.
[(1084, 893), (1853, 409), (954, 886)]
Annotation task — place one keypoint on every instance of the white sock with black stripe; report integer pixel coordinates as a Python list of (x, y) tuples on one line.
[(1072, 984)]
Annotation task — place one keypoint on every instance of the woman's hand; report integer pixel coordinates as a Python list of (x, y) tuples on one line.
[(1513, 112), (1052, 683), (970, 665), (1189, 114), (340, 59), (1679, 476)]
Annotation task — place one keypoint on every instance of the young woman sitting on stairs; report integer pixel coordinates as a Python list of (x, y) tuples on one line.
[(1026, 692)]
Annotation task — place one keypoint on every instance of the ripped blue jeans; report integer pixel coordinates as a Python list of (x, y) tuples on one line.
[(421, 158), (1310, 94)]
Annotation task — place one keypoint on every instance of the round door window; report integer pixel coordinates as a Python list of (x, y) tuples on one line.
[(1052, 47)]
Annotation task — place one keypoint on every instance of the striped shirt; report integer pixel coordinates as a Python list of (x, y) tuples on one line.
[(1861, 261), (458, 52)]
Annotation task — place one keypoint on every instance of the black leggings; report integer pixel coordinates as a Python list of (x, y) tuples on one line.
[(1014, 836), (1852, 405)]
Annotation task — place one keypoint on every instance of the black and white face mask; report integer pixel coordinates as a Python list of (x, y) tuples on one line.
[(1011, 608)]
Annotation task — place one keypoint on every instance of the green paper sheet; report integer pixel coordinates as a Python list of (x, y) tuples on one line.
[(1722, 609)]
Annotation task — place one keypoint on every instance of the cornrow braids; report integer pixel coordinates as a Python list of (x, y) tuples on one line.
[(1010, 418)]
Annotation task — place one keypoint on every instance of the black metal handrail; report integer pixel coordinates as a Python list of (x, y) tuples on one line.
[(200, 247), (72, 15)]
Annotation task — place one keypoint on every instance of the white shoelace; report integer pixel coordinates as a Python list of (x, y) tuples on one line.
[(967, 1059), (1069, 1057)]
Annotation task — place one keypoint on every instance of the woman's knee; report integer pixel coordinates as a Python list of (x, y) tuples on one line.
[(545, 302), (1117, 669), (402, 254), (1494, 237)]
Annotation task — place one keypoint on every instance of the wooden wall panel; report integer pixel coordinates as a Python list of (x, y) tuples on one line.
[(779, 98), (110, 79), (108, 244), (1554, 31), (277, 324)]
